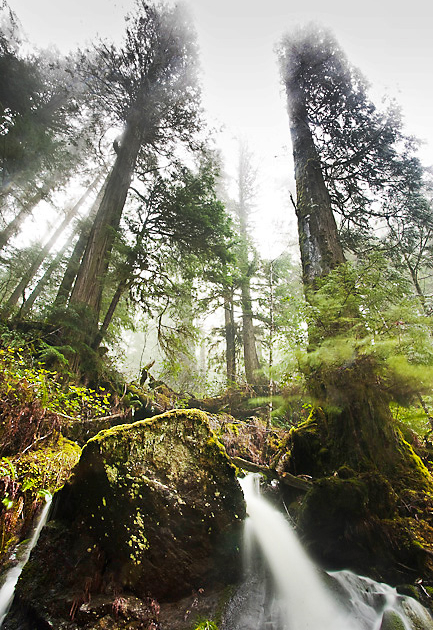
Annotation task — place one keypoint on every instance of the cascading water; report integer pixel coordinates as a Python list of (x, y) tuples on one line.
[(23, 554), (288, 592)]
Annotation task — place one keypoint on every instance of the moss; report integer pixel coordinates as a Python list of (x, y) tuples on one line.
[(38, 472), (177, 490), (206, 625), (188, 422), (230, 427), (392, 621)]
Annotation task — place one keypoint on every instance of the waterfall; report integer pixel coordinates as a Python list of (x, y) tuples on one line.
[(23, 554), (284, 590)]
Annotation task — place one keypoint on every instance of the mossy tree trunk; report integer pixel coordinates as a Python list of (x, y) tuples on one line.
[(350, 437), (360, 427)]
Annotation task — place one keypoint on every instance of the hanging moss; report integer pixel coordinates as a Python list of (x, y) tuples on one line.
[(30, 478)]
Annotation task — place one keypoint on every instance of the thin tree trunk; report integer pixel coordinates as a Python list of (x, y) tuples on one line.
[(93, 269), (246, 193), (121, 288), (28, 304), (320, 247), (252, 364), (230, 338), (14, 226), (28, 276), (415, 281)]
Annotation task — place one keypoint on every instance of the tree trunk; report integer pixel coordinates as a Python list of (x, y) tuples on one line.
[(14, 226), (246, 194), (91, 275), (121, 288), (77, 254), (320, 247), (28, 304), (230, 338), (252, 365), (28, 276)]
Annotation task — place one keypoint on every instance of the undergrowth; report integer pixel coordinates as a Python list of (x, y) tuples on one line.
[(33, 400)]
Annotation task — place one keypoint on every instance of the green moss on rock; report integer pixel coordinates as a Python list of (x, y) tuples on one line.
[(37, 472), (152, 507)]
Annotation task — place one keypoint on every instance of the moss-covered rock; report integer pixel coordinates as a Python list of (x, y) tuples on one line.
[(153, 508), (27, 478), (392, 621)]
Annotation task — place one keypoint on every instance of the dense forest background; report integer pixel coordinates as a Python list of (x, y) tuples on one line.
[(148, 250), (133, 286)]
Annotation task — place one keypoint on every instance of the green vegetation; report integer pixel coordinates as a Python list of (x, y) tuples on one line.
[(326, 371), (206, 625)]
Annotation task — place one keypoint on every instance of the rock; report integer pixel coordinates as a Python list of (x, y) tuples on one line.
[(153, 510), (35, 472), (392, 621)]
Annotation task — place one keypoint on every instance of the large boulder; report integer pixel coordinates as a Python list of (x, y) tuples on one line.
[(153, 510)]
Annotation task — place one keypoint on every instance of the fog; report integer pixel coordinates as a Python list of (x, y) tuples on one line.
[(242, 93)]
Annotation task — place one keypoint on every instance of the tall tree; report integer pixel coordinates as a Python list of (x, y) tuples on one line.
[(348, 376), (243, 206), (366, 159), (319, 243), (149, 85)]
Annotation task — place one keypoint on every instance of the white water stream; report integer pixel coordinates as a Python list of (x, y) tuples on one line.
[(23, 554), (288, 592)]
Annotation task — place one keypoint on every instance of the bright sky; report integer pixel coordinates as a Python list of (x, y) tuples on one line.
[(389, 41)]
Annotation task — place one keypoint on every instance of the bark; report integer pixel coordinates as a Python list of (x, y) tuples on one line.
[(73, 266), (93, 269), (121, 288), (230, 338), (29, 275), (320, 247), (252, 365)]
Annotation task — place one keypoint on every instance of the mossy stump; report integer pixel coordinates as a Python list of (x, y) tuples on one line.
[(372, 498)]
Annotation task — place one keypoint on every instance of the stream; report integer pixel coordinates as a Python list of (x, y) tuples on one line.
[(284, 590), (22, 555)]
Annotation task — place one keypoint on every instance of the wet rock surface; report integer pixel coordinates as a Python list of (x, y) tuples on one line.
[(152, 513)]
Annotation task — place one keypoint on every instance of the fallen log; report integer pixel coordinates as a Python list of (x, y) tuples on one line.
[(285, 478)]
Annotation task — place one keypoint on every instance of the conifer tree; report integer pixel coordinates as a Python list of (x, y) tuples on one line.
[(350, 375), (149, 86)]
